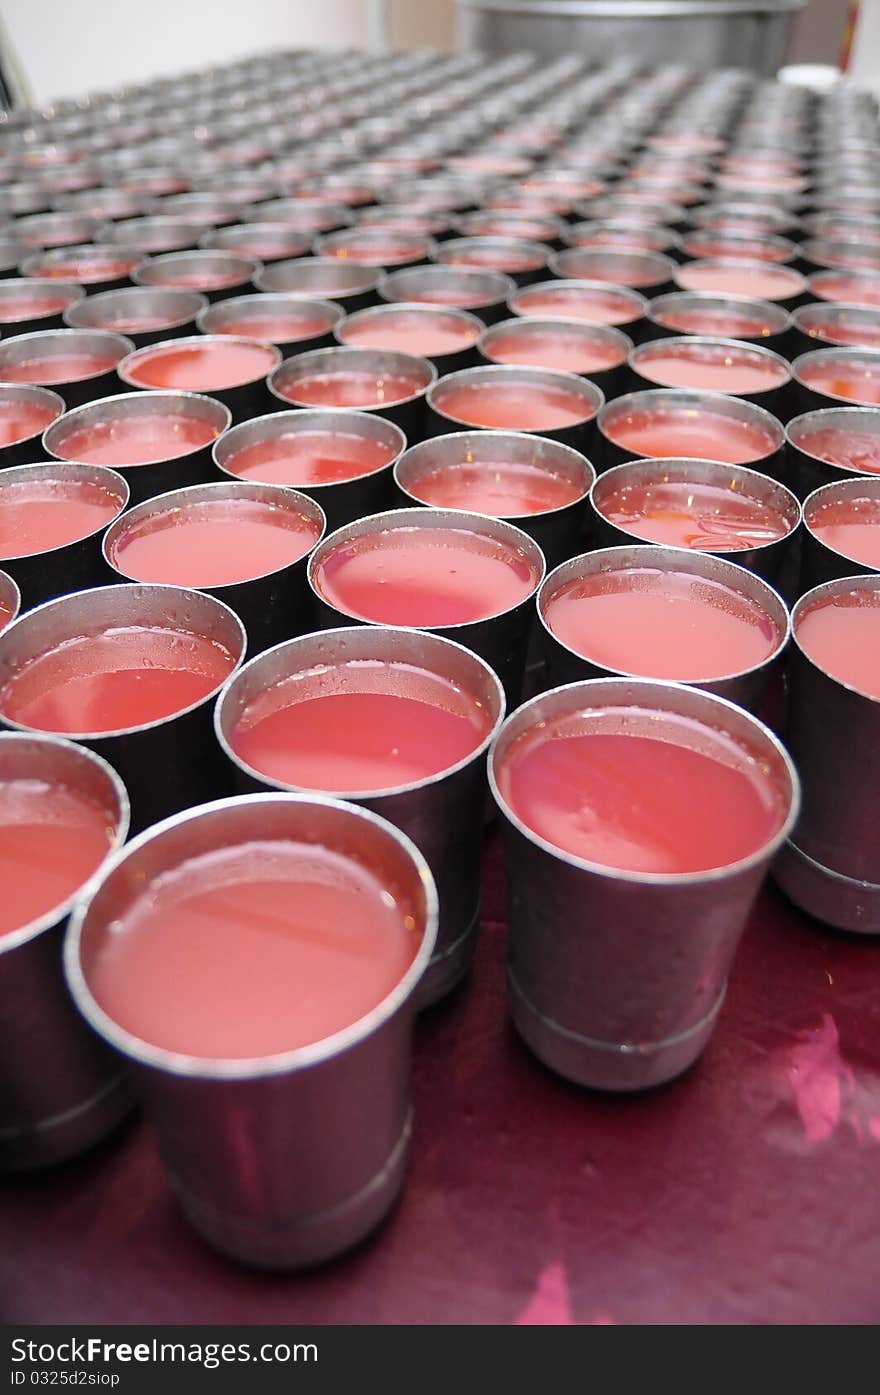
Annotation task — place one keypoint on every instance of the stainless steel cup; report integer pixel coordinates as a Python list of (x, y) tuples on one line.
[(442, 814), (522, 260), (846, 360), (144, 314), (580, 435), (272, 607), (73, 566), (406, 412), (819, 561), (772, 323), (244, 399), (616, 979), (61, 1091), (241, 314), (826, 324), (287, 1160), (525, 337), (322, 278), (23, 289), (215, 274), (17, 352), (14, 396), (10, 600), (344, 500), (830, 866), (745, 686), (166, 765), (150, 477), (554, 298), (355, 329), (484, 293), (808, 471), (650, 273), (264, 242), (500, 640), (775, 398), (609, 451), (558, 532), (767, 560)]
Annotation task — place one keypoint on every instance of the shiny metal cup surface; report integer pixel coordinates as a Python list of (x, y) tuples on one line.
[(14, 396), (442, 814), (820, 561), (282, 1161), (616, 979), (61, 1091)]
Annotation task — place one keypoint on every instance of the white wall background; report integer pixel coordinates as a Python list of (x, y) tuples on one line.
[(68, 47)]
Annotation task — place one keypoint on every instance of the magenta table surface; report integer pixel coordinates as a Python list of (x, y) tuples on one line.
[(748, 1191)]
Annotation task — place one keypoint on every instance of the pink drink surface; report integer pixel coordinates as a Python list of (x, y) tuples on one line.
[(354, 727), (21, 420), (687, 513), (137, 324), (374, 251), (706, 244), (851, 449), (214, 543), (683, 433), (5, 615), (20, 307), (620, 269), (275, 328), (509, 406), (425, 577), (425, 332), (851, 527), (136, 439), (39, 516), (849, 290), (727, 324), (348, 388), (850, 333), (88, 269), (45, 369), (460, 297), (756, 280), (508, 259), (592, 305), (204, 278), (710, 368), (202, 367), (498, 488), (310, 457), (562, 347), (108, 682), (631, 790), (842, 636), (852, 380), (254, 950), (661, 624), (52, 839)]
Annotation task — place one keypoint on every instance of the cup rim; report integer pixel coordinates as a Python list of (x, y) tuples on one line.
[(313, 354), (648, 687), (582, 387), (123, 367), (145, 398), (304, 416), (432, 641), (14, 474), (255, 1067)]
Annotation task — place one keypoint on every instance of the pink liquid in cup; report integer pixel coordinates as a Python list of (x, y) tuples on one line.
[(213, 543), (19, 420), (41, 515), (254, 950), (348, 388), (849, 290), (276, 328), (310, 457), (208, 367), (493, 258), (424, 577), (686, 513), (640, 792), (108, 682), (202, 278), (672, 432), (851, 527), (848, 332), (45, 369), (661, 624), (592, 305), (376, 251), (30, 307), (847, 447), (5, 615), (710, 368), (723, 323), (511, 406), (850, 380), (755, 280), (136, 439), (497, 488), (88, 269), (352, 728), (424, 333), (561, 347), (52, 840), (841, 634)]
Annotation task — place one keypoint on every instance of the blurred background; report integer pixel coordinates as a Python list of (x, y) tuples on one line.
[(83, 45)]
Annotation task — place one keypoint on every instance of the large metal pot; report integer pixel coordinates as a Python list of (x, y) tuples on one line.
[(701, 33)]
